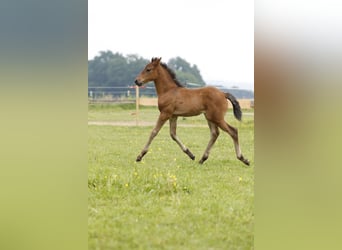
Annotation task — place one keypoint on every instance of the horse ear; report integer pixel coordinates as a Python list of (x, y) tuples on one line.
[(156, 60)]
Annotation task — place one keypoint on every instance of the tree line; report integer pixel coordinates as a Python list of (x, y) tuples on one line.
[(110, 69)]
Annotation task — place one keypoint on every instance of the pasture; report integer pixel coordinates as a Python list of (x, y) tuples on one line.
[(167, 201)]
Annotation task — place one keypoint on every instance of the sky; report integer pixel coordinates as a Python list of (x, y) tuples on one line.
[(216, 35)]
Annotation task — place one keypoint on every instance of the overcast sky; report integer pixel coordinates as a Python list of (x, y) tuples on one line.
[(216, 35)]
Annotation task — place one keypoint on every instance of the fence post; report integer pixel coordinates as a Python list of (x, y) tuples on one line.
[(137, 105)]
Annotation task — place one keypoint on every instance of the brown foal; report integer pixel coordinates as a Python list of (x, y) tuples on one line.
[(174, 100)]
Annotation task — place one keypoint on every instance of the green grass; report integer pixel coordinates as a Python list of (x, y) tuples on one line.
[(120, 112), (168, 201), (127, 113)]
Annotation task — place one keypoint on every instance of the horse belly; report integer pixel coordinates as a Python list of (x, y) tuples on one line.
[(188, 108), (187, 113)]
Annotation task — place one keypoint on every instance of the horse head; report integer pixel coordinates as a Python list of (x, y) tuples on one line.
[(149, 73)]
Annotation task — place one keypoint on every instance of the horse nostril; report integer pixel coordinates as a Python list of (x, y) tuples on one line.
[(138, 83)]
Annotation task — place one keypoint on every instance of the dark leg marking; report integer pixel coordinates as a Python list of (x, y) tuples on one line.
[(187, 151), (244, 160)]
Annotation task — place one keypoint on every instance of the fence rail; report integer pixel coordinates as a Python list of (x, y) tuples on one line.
[(117, 94), (147, 96)]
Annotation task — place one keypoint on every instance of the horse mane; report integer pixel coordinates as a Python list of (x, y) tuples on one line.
[(172, 74)]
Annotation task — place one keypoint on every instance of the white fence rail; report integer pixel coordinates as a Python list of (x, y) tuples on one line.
[(147, 95)]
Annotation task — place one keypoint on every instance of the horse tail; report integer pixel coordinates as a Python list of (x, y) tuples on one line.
[(236, 106)]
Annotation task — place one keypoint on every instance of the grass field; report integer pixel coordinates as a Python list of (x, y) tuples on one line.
[(167, 201)]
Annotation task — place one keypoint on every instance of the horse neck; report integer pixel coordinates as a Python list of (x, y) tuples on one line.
[(164, 82)]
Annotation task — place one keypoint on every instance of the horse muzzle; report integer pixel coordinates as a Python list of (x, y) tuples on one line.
[(138, 83)]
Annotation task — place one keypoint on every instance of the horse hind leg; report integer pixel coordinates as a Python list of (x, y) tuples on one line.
[(233, 132), (214, 133), (173, 127)]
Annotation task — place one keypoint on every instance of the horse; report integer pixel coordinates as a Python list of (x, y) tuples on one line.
[(175, 100)]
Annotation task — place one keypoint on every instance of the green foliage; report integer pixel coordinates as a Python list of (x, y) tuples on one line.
[(115, 70), (168, 201), (108, 69), (185, 72)]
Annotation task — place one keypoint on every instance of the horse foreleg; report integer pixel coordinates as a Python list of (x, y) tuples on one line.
[(161, 120), (173, 127), (214, 133)]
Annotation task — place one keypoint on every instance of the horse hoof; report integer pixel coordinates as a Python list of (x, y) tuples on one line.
[(187, 151), (244, 160), (139, 158), (204, 158)]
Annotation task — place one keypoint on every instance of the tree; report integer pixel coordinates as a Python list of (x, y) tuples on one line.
[(185, 72), (115, 70), (100, 69)]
